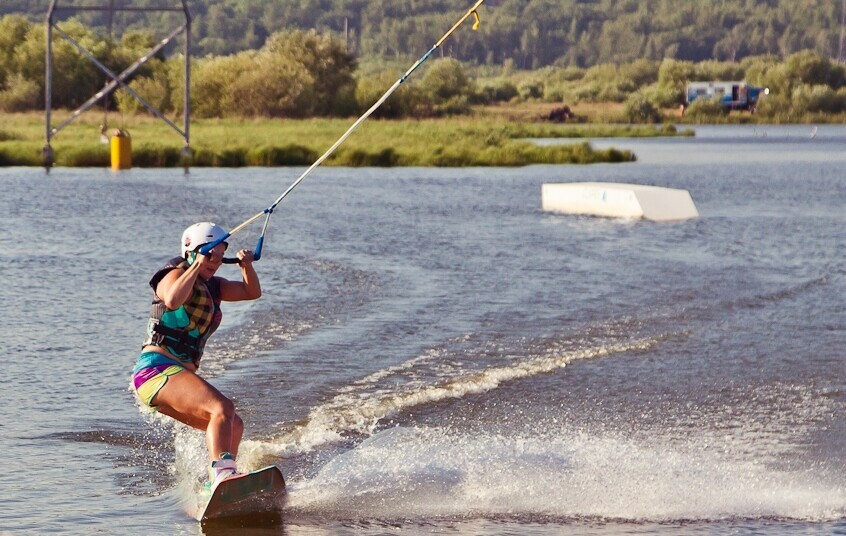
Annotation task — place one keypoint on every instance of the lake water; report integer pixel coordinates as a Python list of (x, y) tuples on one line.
[(435, 354)]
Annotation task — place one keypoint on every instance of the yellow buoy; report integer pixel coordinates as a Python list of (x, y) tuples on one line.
[(121, 146)]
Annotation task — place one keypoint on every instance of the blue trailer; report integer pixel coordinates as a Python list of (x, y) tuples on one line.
[(732, 95)]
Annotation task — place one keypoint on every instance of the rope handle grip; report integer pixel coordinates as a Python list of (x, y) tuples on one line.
[(232, 260)]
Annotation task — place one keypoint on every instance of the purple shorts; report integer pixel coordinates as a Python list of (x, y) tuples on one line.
[(148, 381)]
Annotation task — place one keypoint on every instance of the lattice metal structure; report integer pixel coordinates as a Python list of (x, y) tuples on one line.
[(116, 79)]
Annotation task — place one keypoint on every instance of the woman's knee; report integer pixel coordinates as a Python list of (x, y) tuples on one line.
[(223, 408)]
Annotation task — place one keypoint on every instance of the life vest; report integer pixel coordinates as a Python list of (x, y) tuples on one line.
[(183, 331)]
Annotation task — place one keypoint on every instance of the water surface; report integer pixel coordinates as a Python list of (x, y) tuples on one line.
[(433, 353)]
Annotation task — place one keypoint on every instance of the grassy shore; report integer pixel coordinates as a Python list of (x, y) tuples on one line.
[(489, 137)]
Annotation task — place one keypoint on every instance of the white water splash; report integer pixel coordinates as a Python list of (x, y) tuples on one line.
[(404, 473)]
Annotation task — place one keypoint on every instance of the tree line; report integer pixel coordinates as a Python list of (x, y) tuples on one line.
[(528, 33), (298, 73), (294, 74)]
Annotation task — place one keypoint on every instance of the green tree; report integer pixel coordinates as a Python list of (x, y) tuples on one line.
[(706, 110), (13, 31), (446, 79), (817, 99), (275, 86), (20, 94), (532, 33), (673, 76), (447, 87), (75, 78), (808, 67), (401, 103), (639, 109), (211, 80), (329, 65)]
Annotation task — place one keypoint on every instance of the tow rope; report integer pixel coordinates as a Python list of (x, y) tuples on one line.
[(269, 210)]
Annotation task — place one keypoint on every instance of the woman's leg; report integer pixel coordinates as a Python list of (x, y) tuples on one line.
[(190, 399), (237, 429)]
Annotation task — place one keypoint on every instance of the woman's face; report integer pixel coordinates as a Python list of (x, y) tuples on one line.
[(211, 262)]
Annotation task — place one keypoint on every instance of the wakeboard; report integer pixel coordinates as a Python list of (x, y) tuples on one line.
[(259, 492)]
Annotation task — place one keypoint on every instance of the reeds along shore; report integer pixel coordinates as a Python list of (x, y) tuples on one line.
[(450, 142)]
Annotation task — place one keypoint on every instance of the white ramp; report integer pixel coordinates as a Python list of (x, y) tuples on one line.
[(619, 200)]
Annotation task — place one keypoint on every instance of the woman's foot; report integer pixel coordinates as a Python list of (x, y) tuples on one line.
[(222, 469)]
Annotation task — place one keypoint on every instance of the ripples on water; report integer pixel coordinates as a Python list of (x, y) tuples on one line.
[(434, 354)]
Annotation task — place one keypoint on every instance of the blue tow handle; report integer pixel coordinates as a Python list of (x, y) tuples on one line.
[(232, 260), (204, 250), (211, 245), (257, 251)]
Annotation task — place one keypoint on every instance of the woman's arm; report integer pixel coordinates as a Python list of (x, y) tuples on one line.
[(176, 287), (249, 287)]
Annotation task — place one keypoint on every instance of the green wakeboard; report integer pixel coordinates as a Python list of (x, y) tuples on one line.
[(258, 492)]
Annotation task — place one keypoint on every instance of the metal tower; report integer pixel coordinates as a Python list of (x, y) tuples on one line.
[(48, 155)]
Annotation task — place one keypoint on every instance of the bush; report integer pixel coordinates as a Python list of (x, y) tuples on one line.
[(500, 92), (400, 104), (719, 70), (705, 109), (273, 86), (445, 81), (674, 74), (211, 79), (530, 90), (756, 69), (301, 74), (20, 94), (85, 157), (234, 157), (663, 97), (331, 88), (13, 32), (457, 105), (808, 67), (559, 83), (776, 108), (74, 78), (568, 74), (818, 98), (203, 158), (446, 89), (639, 109), (289, 155), (360, 158), (153, 90), (641, 72), (606, 82), (151, 155), (17, 154)]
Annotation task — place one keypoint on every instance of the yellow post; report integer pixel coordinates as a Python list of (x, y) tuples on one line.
[(121, 146)]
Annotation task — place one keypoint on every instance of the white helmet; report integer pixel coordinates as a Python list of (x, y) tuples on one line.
[(200, 234)]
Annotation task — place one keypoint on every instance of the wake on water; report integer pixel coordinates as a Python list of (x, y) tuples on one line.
[(359, 408), (559, 473)]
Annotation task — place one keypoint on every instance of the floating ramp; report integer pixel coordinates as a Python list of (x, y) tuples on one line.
[(619, 200)]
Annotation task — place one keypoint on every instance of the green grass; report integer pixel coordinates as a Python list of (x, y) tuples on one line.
[(478, 140)]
